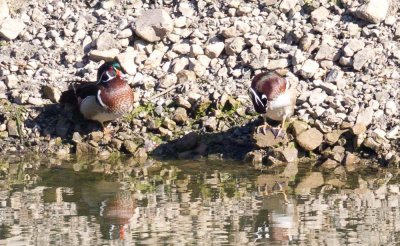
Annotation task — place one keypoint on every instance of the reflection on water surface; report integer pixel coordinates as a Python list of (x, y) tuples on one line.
[(91, 202)]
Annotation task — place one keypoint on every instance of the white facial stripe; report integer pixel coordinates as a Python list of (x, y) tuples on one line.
[(257, 99), (287, 83), (99, 99)]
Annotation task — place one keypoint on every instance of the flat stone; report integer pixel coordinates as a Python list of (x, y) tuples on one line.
[(327, 52), (182, 102), (289, 153), (140, 153), (333, 137), (268, 139), (310, 139), (373, 11), (83, 149), (10, 28), (127, 61), (364, 119), (12, 128), (278, 64), (153, 25), (329, 164), (298, 127), (103, 55), (107, 41), (362, 57)]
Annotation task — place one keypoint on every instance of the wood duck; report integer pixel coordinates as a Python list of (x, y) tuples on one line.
[(274, 97), (109, 98)]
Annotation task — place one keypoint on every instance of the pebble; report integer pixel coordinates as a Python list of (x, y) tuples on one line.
[(309, 68), (10, 28), (310, 139), (106, 55), (213, 50), (373, 11)]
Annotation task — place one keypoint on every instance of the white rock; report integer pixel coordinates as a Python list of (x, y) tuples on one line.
[(234, 45), (106, 55), (179, 64), (183, 48), (153, 25), (127, 61), (4, 11), (186, 9), (154, 59), (309, 68), (213, 50), (318, 15), (126, 33), (317, 97), (11, 28), (278, 64), (287, 5), (390, 108), (196, 50), (373, 11)]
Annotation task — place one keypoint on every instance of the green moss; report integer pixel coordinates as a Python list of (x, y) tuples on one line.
[(202, 109), (148, 108)]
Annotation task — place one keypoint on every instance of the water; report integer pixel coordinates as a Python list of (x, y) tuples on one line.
[(125, 202)]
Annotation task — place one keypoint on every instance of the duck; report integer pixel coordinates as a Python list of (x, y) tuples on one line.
[(105, 100), (274, 97)]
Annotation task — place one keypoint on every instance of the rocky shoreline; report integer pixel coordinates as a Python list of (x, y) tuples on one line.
[(190, 65)]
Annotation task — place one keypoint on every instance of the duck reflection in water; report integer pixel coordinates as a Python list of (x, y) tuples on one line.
[(116, 213)]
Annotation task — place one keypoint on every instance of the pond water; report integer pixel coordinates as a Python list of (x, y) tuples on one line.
[(126, 202)]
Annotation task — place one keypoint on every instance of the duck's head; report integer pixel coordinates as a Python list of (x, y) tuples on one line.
[(109, 71)]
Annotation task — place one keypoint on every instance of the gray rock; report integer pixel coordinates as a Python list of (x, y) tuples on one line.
[(364, 119), (182, 48), (153, 25), (353, 46), (391, 108), (179, 64), (83, 149), (310, 139), (105, 55), (317, 97), (362, 57), (11, 81), (11, 28), (329, 164), (327, 52), (182, 102), (373, 11), (278, 64), (168, 80), (319, 15), (107, 41), (211, 124), (12, 128), (180, 116), (234, 46), (268, 139)]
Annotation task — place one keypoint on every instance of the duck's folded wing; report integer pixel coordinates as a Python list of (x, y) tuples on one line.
[(78, 92)]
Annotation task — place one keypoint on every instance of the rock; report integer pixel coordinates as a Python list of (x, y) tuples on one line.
[(268, 139), (180, 116), (332, 137), (362, 57), (390, 108), (76, 137), (319, 15), (168, 80), (187, 142), (211, 124), (107, 41), (11, 28), (234, 46), (186, 76), (4, 10), (154, 59), (364, 119), (327, 52), (317, 97), (182, 102), (103, 55), (310, 139), (140, 153), (12, 81), (182, 48), (127, 61), (130, 146), (255, 157), (12, 128), (179, 64), (338, 153), (287, 5), (314, 180), (298, 127), (126, 33), (213, 50), (52, 93), (186, 9), (329, 164), (83, 149), (353, 46), (96, 136), (373, 11), (289, 153), (153, 25), (278, 64), (169, 124), (309, 68)]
